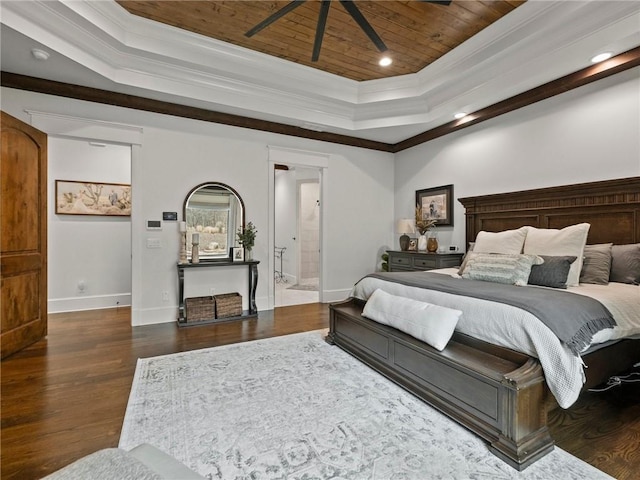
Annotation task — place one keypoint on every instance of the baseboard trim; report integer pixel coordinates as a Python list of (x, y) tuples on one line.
[(93, 302), (330, 296), (152, 316)]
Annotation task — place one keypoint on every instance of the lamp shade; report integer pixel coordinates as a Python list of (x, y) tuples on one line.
[(405, 225)]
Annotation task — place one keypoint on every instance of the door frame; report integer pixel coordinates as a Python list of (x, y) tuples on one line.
[(87, 129), (308, 159)]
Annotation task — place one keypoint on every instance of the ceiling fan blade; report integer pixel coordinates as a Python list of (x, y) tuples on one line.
[(364, 25), (322, 22), (446, 3), (272, 18)]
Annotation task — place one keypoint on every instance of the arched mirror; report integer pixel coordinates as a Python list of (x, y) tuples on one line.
[(215, 211)]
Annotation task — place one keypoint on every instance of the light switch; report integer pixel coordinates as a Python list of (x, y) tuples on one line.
[(154, 243)]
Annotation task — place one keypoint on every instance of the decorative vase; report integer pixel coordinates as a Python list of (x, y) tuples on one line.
[(248, 254), (422, 243), (195, 253), (404, 242), (432, 244), (183, 248)]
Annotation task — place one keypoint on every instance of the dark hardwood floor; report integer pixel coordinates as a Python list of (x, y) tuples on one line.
[(65, 396)]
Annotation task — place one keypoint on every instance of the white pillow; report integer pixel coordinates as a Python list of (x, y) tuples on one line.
[(567, 241), (509, 241), (430, 323)]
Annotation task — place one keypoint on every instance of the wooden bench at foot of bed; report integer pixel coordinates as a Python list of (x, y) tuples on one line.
[(495, 392)]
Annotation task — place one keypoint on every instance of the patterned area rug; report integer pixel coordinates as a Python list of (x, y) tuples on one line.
[(294, 407)]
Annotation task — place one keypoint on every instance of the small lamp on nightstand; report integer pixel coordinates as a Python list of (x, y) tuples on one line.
[(404, 226)]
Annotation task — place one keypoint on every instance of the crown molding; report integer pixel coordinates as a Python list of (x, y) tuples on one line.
[(613, 66), (537, 42), (78, 92)]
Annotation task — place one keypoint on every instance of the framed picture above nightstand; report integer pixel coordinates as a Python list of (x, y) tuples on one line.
[(408, 261)]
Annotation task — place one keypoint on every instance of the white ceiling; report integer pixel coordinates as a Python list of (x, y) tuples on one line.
[(98, 44)]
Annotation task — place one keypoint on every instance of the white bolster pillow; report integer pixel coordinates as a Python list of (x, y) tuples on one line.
[(430, 323)]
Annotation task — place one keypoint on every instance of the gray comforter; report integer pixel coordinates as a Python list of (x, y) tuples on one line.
[(573, 318)]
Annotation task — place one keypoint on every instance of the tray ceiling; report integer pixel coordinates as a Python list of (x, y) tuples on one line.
[(102, 45), (416, 33)]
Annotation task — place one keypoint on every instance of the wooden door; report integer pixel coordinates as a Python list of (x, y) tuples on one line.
[(23, 242)]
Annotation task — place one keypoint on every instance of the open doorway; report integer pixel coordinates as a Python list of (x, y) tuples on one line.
[(297, 235), (89, 263)]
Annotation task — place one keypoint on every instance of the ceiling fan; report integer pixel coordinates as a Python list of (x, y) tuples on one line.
[(349, 6)]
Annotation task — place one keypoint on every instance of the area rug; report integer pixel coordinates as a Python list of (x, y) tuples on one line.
[(294, 407)]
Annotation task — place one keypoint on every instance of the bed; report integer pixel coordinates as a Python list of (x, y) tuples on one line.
[(495, 390)]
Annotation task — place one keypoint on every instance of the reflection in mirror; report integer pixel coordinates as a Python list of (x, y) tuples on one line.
[(214, 211)]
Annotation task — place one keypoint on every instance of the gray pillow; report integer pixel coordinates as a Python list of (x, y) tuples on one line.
[(625, 264), (553, 272), (596, 265)]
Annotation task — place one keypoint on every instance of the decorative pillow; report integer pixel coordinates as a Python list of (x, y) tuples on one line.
[(464, 259), (509, 241), (500, 268), (567, 241), (552, 273), (596, 264), (430, 323), (625, 263)]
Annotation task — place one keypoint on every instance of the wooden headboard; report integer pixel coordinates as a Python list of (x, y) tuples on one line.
[(612, 207)]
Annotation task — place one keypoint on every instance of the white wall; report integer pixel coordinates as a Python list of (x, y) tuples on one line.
[(285, 223), (176, 154), (94, 250), (588, 134)]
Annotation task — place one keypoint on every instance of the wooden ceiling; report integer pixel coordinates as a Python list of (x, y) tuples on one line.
[(416, 33)]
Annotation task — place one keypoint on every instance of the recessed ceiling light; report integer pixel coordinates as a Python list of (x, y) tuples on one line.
[(601, 57), (385, 61), (39, 54), (460, 115)]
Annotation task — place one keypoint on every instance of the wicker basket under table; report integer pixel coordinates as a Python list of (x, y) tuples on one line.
[(228, 305), (198, 309)]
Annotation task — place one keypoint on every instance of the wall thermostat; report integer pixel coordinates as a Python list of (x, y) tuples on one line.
[(170, 216), (154, 225)]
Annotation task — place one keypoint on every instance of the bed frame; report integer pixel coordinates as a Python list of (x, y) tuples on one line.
[(499, 394)]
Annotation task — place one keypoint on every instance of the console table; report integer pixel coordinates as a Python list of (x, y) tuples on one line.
[(251, 265)]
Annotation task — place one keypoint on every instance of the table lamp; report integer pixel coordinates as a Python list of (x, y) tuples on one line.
[(404, 226)]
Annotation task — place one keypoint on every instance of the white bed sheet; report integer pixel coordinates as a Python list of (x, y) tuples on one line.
[(520, 330)]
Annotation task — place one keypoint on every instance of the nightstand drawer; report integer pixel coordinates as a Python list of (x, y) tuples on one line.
[(406, 261), (425, 263), (398, 261)]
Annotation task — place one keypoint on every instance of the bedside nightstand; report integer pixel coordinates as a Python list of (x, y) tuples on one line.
[(409, 261)]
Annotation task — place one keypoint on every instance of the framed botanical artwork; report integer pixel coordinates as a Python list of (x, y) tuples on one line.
[(237, 254), (92, 198), (437, 204)]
